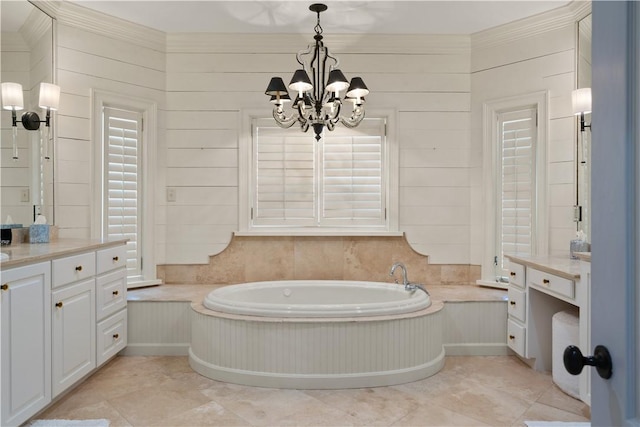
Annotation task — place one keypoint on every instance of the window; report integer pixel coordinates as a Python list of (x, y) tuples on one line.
[(514, 177), (339, 184), (516, 187), (124, 164), (122, 208)]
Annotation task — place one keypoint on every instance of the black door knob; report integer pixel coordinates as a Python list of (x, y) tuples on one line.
[(574, 361)]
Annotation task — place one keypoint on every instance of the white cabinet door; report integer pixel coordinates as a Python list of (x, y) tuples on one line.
[(26, 342), (74, 334)]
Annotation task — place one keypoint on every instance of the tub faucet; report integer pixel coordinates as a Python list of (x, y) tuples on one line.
[(405, 281), (408, 286)]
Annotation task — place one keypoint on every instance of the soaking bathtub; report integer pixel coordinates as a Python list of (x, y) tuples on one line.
[(316, 334)]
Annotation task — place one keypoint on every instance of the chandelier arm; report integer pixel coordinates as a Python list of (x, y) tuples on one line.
[(282, 120), (354, 120), (302, 53)]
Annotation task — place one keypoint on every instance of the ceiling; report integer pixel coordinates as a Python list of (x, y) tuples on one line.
[(382, 17)]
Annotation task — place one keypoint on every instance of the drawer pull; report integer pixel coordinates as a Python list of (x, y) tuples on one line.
[(512, 302), (79, 268), (59, 304), (115, 259), (512, 337), (4, 287), (513, 274), (115, 292), (545, 281), (116, 336)]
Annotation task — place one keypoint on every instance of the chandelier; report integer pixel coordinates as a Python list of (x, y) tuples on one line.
[(318, 103)]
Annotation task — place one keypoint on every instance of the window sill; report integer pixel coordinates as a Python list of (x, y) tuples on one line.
[(321, 233)]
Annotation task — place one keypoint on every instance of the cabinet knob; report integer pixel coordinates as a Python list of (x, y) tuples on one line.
[(115, 292), (545, 281), (79, 268), (512, 337), (512, 274), (512, 302), (116, 336), (4, 287), (59, 304), (115, 259)]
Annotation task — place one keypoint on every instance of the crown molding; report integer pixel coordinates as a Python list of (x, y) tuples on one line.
[(338, 43), (36, 25), (71, 14), (531, 26)]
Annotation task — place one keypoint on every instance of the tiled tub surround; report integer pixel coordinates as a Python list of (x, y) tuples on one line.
[(252, 259)]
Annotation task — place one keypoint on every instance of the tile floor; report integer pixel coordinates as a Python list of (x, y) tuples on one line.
[(469, 391)]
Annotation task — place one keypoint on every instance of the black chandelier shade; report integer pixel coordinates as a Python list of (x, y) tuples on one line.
[(319, 85)]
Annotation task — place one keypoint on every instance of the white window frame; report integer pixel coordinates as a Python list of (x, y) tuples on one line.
[(491, 170), (245, 171), (148, 109)]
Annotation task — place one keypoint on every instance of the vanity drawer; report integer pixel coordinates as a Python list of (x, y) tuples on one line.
[(517, 303), (111, 293), (111, 258), (111, 336), (553, 283), (516, 274), (516, 334), (73, 268)]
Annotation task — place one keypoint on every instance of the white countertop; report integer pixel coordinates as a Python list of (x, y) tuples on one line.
[(560, 266), (27, 253)]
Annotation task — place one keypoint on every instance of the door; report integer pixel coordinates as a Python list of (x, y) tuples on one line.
[(615, 290)]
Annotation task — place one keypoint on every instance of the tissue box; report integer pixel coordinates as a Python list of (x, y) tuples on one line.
[(39, 233)]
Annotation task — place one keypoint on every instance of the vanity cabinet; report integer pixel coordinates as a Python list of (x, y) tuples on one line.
[(73, 333), (26, 342), (62, 317), (539, 287)]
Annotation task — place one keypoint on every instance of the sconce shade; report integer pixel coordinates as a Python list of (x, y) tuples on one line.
[(276, 87), (300, 82), (12, 96), (337, 81), (49, 96), (357, 88), (581, 100)]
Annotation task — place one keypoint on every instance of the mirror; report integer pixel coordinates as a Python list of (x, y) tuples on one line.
[(26, 54), (583, 159)]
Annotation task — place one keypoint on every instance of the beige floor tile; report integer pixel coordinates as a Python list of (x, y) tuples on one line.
[(89, 412), (148, 406), (209, 414), (559, 399), (436, 416), (540, 412), (380, 406)]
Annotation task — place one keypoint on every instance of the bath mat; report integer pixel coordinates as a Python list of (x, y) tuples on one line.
[(556, 424), (70, 423)]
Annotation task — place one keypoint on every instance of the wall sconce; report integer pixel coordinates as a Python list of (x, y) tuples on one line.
[(12, 99), (581, 102)]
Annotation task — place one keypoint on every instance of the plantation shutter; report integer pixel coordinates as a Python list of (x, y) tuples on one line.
[(122, 217), (336, 182), (284, 176), (352, 176), (517, 130)]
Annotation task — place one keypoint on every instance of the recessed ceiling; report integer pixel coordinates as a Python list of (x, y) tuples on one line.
[(381, 17)]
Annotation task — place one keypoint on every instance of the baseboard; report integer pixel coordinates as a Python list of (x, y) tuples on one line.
[(156, 350), (477, 349)]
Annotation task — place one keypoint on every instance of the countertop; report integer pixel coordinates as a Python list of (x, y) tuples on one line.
[(196, 293), (560, 266), (27, 253)]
